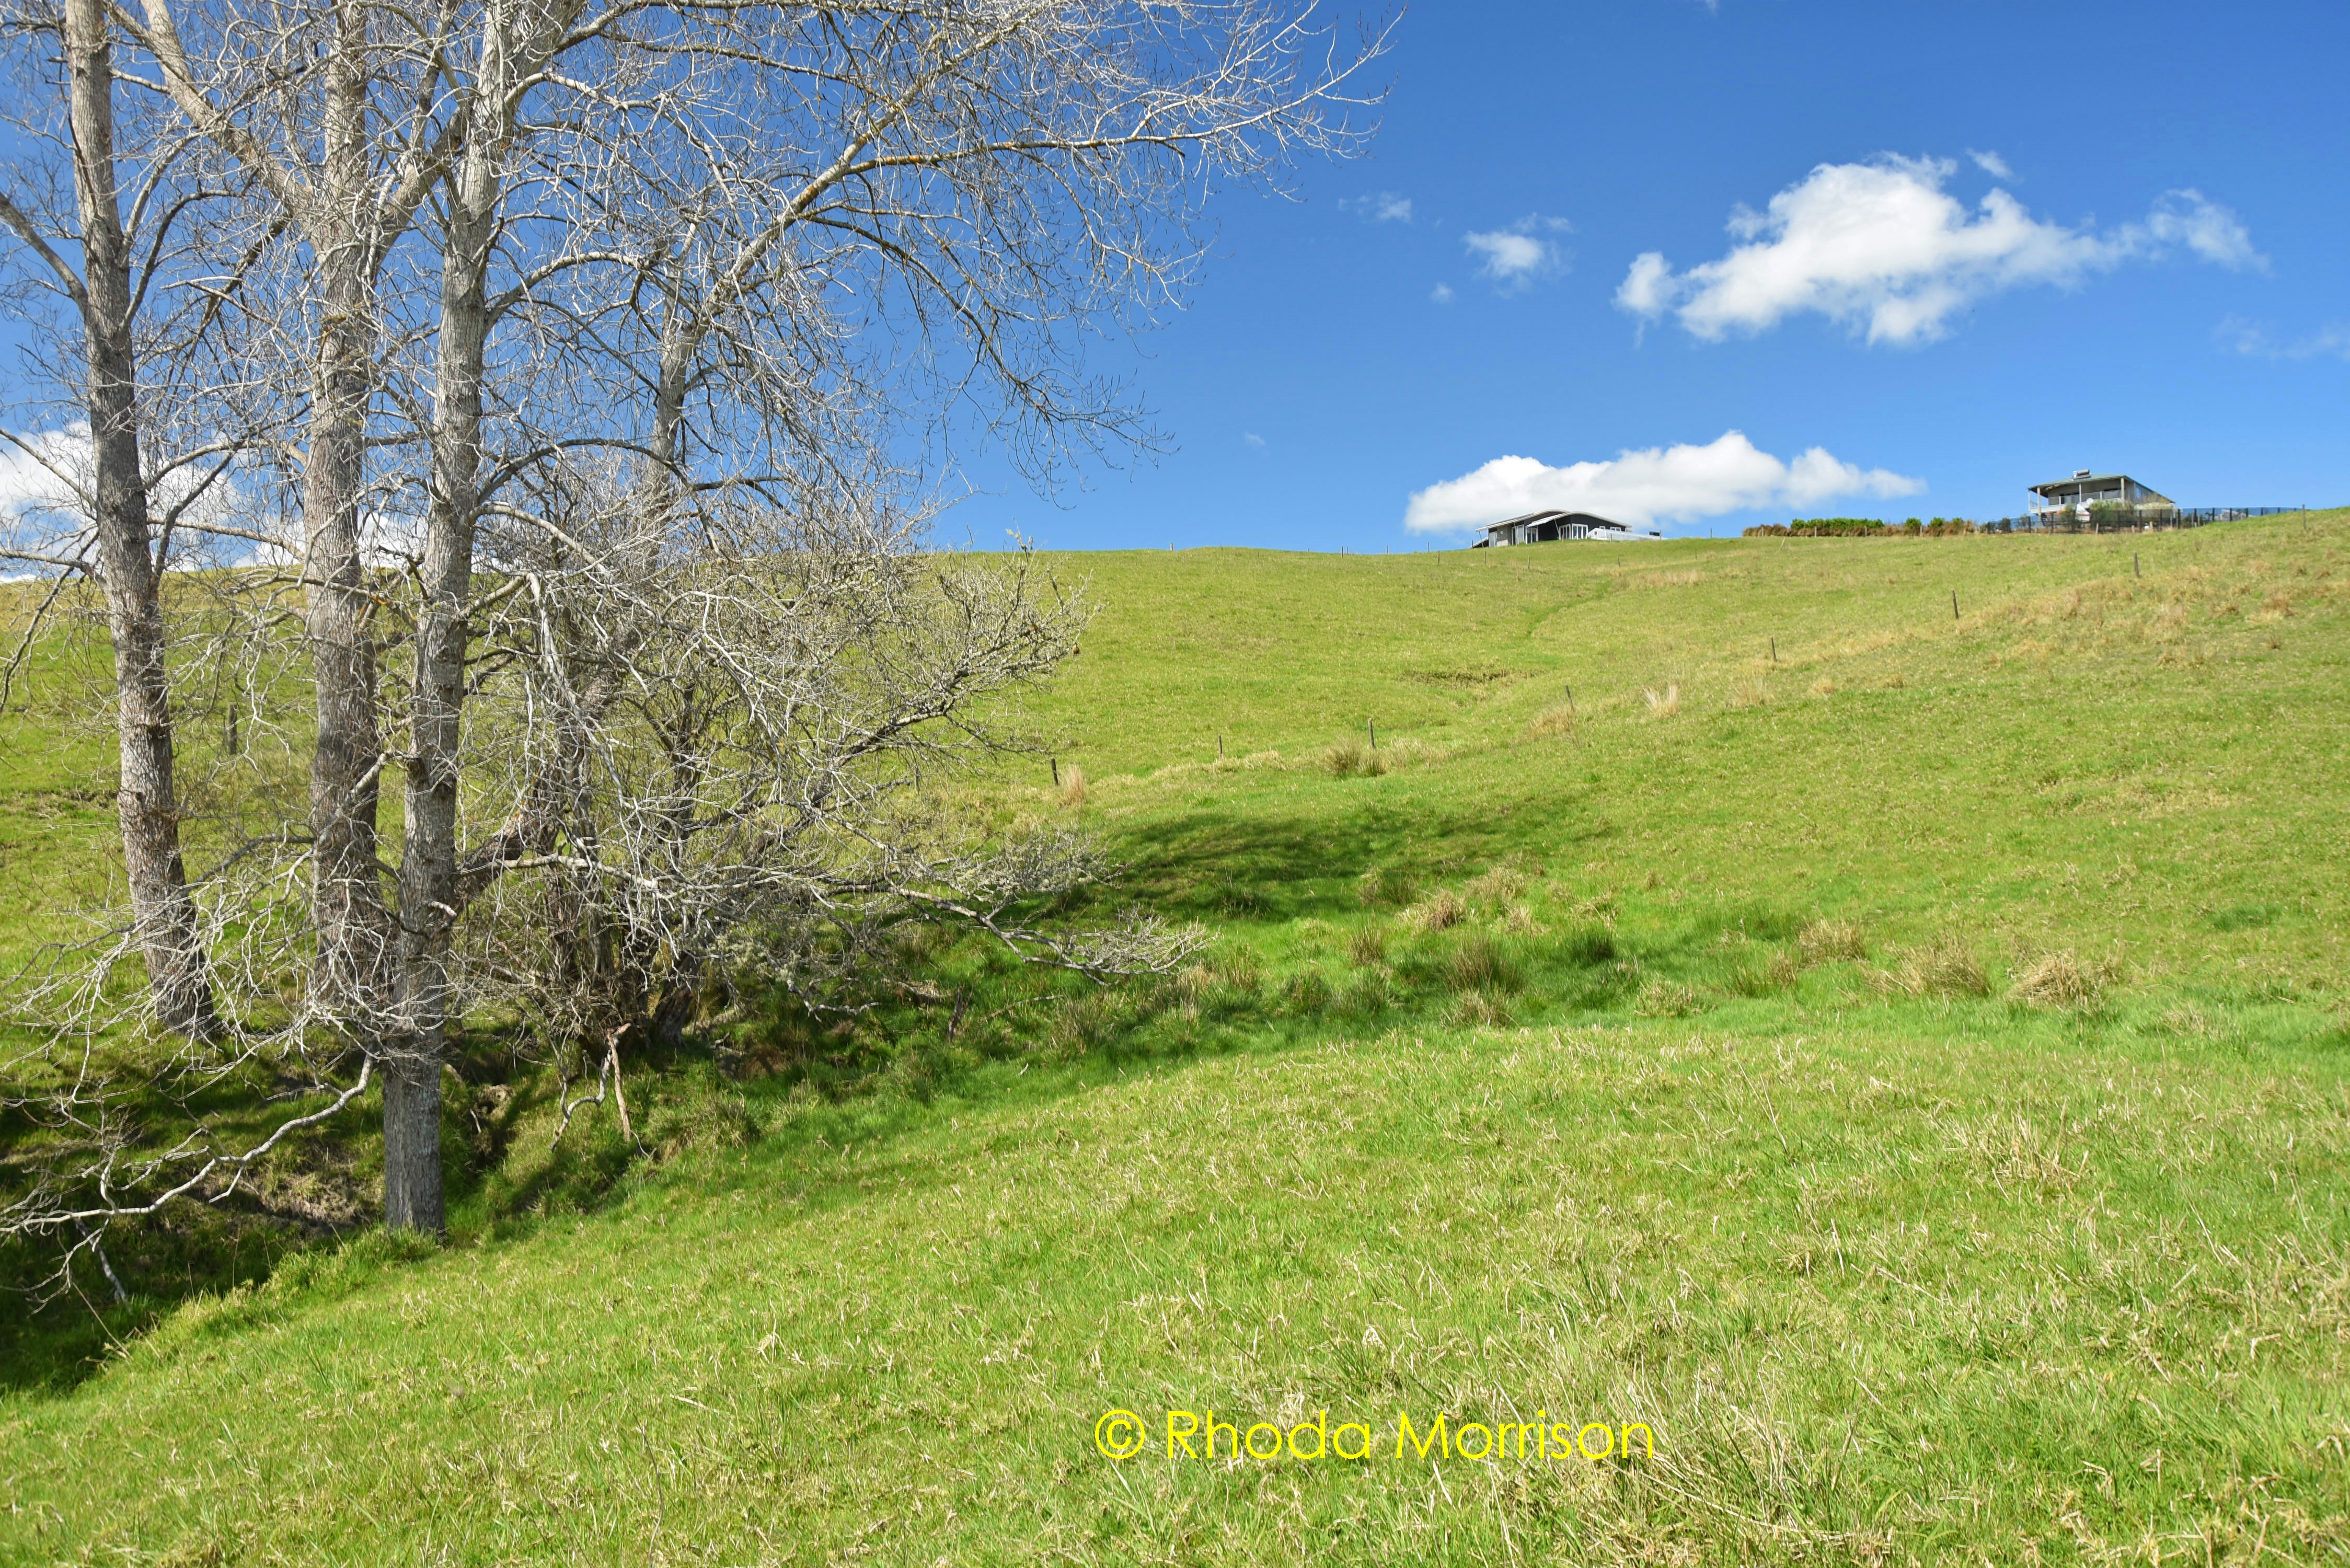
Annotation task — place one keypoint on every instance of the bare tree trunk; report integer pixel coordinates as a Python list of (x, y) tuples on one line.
[(430, 897), (412, 1144), (347, 899), (164, 911)]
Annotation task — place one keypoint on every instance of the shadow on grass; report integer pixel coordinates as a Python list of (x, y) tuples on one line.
[(1241, 864), (715, 1120), (59, 1329)]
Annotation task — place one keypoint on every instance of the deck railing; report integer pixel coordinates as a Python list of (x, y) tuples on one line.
[(2136, 519)]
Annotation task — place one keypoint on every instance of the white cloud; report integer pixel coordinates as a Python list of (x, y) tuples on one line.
[(1380, 207), (1517, 256), (45, 476), (39, 472), (1252, 441), (1647, 288), (2211, 231), (2329, 341), (1992, 163), (1658, 484), (1442, 294), (1882, 248)]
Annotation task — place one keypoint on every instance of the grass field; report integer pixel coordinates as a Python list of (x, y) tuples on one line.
[(1905, 1066)]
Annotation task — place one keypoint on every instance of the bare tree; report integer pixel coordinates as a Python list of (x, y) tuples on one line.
[(348, 133), (121, 536), (718, 287), (985, 183)]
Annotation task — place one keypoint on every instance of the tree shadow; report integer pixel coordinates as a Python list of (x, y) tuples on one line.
[(1229, 864)]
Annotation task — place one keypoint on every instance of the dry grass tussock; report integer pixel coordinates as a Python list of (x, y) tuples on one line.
[(1073, 787), (1353, 758), (1663, 704), (1474, 1009), (1482, 964), (1666, 999), (1307, 995), (1552, 723), (1384, 885), (1368, 946), (1943, 967), (1438, 911), (2064, 979), (1501, 885), (1824, 687), (1824, 941), (1749, 694)]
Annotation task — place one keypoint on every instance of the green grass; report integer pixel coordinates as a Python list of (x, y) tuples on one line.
[(1715, 1105), (58, 845)]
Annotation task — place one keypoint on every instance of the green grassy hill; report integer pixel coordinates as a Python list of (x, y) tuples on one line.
[(1910, 1076)]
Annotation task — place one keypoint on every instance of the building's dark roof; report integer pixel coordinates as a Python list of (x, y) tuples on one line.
[(2071, 480), (1585, 518), (2081, 483)]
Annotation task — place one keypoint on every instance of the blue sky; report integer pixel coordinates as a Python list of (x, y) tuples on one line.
[(2157, 283)]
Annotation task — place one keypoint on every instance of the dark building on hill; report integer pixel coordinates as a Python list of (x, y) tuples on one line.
[(1547, 527)]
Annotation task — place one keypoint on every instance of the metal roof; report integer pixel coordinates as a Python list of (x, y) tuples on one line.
[(2070, 480)]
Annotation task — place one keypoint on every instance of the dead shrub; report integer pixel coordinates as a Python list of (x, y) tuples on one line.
[(1368, 946), (1824, 941), (1943, 967), (1439, 910), (2064, 979), (1555, 722), (1663, 704)]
